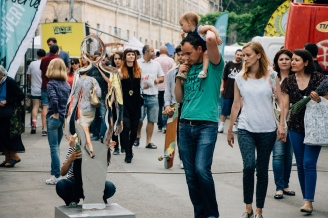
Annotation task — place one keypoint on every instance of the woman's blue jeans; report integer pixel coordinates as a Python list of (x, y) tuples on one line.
[(306, 161), (282, 155), (196, 145), (55, 134)]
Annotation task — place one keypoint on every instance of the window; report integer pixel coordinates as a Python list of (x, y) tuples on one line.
[(128, 34), (146, 41)]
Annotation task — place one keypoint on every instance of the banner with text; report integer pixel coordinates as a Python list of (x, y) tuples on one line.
[(69, 36), (221, 25), (19, 20)]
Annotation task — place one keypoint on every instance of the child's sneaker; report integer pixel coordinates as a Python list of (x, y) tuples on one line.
[(44, 132), (202, 75), (181, 76)]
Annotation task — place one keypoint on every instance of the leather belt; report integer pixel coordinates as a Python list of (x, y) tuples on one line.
[(196, 122)]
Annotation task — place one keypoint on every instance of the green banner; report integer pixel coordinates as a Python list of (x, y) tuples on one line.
[(19, 20)]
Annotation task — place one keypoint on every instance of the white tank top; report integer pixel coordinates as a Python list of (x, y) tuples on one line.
[(257, 112)]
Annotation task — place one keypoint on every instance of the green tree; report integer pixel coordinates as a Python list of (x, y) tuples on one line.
[(247, 18)]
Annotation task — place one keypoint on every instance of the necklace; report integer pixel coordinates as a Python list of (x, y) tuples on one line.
[(131, 80)]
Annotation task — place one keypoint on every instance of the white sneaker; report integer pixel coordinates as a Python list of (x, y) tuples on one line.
[(202, 75), (53, 180), (181, 76), (234, 129), (181, 164), (221, 127)]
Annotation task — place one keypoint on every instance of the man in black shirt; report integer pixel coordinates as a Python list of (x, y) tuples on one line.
[(313, 49), (231, 69)]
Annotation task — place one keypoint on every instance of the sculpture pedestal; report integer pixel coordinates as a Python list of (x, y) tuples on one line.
[(111, 210)]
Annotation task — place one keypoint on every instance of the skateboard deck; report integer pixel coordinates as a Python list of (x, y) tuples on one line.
[(170, 137)]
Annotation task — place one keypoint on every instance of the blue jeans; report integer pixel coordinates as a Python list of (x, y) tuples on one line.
[(282, 155), (306, 161), (64, 190), (55, 134), (196, 145), (262, 143)]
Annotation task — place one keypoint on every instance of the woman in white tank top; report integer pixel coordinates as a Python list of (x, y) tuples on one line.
[(256, 125)]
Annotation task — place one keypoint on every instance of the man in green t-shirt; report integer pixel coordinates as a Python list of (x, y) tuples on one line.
[(199, 121)]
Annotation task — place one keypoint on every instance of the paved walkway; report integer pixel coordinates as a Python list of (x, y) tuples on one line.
[(145, 187)]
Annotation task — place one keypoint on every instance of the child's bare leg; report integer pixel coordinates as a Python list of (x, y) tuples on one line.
[(203, 73)]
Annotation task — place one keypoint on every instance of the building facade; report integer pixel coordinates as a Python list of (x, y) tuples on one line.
[(153, 22)]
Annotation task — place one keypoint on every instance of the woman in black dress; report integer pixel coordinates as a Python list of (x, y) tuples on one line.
[(130, 74), (11, 96)]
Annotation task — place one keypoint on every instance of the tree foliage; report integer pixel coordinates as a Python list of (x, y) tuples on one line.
[(247, 17)]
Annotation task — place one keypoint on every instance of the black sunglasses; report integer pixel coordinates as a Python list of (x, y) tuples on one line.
[(73, 63)]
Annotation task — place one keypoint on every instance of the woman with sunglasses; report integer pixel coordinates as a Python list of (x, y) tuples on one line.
[(75, 64), (130, 74)]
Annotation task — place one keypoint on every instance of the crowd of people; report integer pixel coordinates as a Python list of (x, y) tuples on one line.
[(194, 79)]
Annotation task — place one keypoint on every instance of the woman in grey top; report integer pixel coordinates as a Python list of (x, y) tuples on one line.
[(87, 111)]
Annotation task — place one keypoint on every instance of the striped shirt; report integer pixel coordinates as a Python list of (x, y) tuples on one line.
[(70, 174)]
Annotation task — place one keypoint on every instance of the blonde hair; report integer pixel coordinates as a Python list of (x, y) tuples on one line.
[(263, 60), (191, 17), (57, 69)]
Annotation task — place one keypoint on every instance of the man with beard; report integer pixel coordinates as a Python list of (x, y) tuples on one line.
[(231, 69)]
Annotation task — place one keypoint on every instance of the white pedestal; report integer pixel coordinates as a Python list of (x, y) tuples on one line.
[(111, 210)]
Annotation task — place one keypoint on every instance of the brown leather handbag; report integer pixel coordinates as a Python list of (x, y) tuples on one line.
[(94, 100)]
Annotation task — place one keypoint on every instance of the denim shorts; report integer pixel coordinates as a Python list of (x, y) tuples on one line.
[(44, 97), (226, 104), (150, 108)]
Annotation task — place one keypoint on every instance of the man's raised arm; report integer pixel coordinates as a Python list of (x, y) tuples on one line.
[(212, 48)]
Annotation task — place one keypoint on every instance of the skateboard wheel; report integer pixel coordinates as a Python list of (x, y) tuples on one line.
[(160, 158), (170, 155)]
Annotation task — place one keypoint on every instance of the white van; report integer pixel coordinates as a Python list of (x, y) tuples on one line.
[(271, 45), (229, 52)]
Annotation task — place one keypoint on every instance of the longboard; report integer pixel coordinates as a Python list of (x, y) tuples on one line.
[(170, 137)]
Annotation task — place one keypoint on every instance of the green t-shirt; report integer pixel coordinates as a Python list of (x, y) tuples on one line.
[(201, 96)]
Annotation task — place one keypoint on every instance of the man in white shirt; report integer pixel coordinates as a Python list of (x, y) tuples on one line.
[(166, 63), (34, 76), (152, 74)]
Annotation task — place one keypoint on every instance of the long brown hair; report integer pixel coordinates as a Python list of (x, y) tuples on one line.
[(263, 60), (124, 66)]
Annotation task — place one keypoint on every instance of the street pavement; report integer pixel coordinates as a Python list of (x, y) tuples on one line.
[(145, 187)]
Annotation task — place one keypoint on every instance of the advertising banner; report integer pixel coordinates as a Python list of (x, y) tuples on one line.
[(221, 25), (301, 29), (19, 20), (69, 36)]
